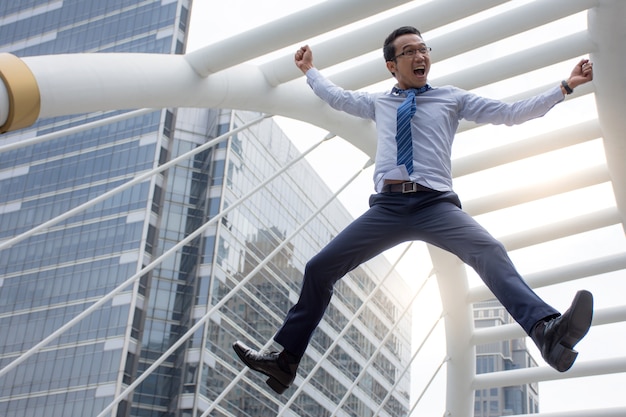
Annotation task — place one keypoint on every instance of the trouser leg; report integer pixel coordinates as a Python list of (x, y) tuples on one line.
[(457, 232), (366, 237), (432, 217)]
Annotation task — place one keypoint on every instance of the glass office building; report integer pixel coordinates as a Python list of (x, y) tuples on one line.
[(502, 356), (265, 238)]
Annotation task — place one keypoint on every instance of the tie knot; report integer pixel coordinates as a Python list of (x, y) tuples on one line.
[(412, 91)]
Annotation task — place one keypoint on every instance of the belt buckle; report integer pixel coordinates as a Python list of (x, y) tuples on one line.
[(409, 187)]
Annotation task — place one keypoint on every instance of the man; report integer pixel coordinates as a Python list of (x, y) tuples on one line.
[(416, 125)]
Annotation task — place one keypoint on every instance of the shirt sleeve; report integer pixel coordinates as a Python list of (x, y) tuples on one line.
[(484, 110), (360, 104)]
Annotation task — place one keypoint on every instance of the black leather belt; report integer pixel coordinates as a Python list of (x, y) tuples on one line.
[(404, 188)]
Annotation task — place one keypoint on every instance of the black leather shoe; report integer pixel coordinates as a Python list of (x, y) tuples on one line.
[(557, 337), (277, 366)]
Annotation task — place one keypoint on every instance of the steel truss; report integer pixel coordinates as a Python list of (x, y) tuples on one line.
[(222, 76)]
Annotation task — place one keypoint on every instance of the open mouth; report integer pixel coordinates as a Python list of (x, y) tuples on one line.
[(419, 71)]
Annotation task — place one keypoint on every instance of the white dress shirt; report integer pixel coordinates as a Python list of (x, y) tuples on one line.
[(433, 126)]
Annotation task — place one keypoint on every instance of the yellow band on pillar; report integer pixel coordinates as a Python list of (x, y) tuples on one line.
[(24, 98)]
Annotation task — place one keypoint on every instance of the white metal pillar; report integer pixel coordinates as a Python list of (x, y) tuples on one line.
[(459, 324), (607, 27)]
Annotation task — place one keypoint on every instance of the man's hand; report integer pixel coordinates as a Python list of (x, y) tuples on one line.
[(582, 73), (304, 59)]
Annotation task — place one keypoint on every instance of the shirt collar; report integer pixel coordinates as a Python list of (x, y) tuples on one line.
[(399, 92)]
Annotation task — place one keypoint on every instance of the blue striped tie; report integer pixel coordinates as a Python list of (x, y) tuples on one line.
[(403, 132)]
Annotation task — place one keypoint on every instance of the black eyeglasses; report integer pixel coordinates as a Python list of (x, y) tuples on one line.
[(410, 53)]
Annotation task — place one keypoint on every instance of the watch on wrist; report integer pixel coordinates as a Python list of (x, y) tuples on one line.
[(566, 86)]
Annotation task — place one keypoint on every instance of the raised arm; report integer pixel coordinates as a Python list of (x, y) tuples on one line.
[(356, 103)]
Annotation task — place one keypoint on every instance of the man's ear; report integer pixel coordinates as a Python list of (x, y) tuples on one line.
[(391, 66)]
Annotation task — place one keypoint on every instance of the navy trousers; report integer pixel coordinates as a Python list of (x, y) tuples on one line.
[(433, 217)]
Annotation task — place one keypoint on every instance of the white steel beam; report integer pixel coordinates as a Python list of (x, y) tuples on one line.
[(563, 228), (485, 335), (369, 38), (506, 24), (545, 373), (511, 152), (459, 41), (218, 76), (305, 24), (536, 191), (598, 412), (79, 83), (566, 273), (606, 26), (540, 56)]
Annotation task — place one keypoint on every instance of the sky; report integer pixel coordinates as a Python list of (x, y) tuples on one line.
[(213, 21)]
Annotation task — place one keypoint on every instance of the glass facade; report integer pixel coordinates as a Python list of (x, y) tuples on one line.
[(50, 277), (502, 356)]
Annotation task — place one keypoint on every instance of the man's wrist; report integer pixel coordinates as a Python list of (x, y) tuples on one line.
[(566, 87)]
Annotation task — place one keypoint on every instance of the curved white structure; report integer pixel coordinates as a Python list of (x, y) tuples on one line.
[(221, 75)]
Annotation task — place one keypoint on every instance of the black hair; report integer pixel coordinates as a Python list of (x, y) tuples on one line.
[(389, 49)]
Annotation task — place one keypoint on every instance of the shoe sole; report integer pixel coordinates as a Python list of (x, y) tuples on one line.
[(273, 383), (563, 355)]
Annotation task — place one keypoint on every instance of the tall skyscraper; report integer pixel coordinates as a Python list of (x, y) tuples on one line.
[(502, 356), (54, 275)]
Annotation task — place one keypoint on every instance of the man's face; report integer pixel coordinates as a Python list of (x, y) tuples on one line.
[(410, 71)]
